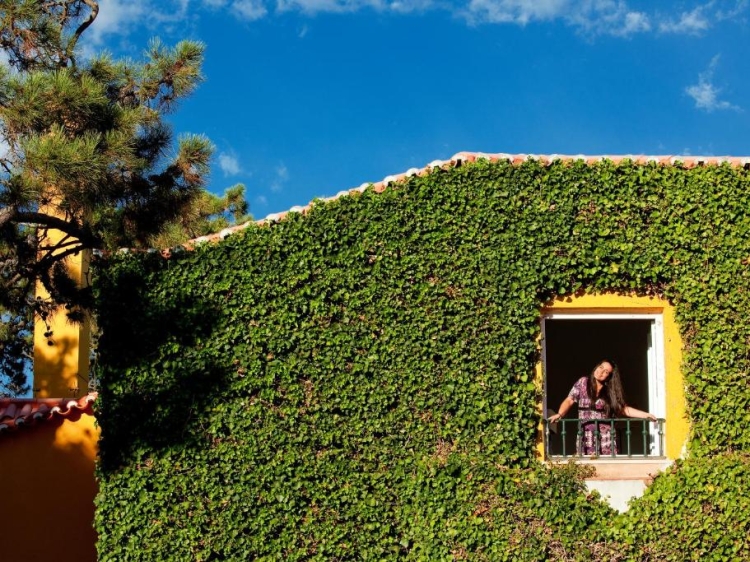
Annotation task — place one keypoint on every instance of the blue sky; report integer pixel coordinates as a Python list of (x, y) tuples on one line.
[(305, 98)]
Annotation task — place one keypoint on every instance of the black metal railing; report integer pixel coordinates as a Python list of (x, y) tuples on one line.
[(629, 437)]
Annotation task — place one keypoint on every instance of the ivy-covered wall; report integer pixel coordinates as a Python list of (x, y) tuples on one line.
[(357, 383)]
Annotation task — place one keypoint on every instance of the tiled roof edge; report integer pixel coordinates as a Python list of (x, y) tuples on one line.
[(457, 160), (16, 413)]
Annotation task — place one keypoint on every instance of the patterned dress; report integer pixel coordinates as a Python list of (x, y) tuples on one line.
[(586, 411)]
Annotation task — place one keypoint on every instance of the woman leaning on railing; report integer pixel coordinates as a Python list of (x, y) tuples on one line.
[(599, 397)]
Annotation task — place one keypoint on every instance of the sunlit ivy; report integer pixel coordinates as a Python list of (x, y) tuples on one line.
[(355, 383)]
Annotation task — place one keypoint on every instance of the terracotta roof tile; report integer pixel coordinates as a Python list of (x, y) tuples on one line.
[(457, 160), (16, 413), (516, 159)]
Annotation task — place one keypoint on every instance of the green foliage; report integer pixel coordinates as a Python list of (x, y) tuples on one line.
[(16, 338), (699, 510), (206, 214), (357, 383), (15, 351), (87, 154)]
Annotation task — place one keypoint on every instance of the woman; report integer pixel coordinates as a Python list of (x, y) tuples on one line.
[(599, 396)]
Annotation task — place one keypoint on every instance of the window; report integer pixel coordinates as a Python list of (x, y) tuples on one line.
[(640, 335), (574, 343)]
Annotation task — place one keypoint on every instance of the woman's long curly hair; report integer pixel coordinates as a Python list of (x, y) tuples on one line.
[(611, 392)]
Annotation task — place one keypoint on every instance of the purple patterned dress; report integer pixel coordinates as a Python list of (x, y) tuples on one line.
[(586, 411)]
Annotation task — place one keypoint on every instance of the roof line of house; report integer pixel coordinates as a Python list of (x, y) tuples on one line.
[(457, 160), (16, 413)]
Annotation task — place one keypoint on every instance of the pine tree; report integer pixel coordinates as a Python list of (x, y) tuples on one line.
[(85, 151), (207, 214)]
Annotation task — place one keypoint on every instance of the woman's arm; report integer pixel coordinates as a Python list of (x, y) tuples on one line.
[(566, 405), (635, 413)]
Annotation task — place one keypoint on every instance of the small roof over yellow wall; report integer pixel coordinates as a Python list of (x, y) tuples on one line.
[(16, 413)]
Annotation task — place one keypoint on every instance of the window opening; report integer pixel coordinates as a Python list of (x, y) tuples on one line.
[(572, 344)]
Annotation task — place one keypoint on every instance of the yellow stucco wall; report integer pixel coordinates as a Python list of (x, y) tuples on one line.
[(47, 480), (61, 363), (677, 425), (47, 487)]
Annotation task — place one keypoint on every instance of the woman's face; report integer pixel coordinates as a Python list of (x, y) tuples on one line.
[(603, 371)]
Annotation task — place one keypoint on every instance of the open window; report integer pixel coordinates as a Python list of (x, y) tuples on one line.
[(573, 343), (641, 335)]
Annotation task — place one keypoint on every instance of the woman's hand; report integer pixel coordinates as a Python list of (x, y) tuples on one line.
[(635, 413), (564, 408)]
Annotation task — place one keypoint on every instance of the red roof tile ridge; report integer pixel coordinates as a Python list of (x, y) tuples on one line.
[(457, 160), (21, 412)]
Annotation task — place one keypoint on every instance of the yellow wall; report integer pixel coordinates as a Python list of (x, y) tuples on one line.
[(61, 363), (47, 482), (47, 490), (677, 426)]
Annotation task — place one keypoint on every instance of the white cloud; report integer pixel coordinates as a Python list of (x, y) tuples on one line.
[(331, 6), (589, 17), (593, 17), (229, 164), (4, 148), (693, 22), (739, 7), (517, 11), (5, 60), (261, 200), (410, 6), (607, 17), (249, 10), (120, 18), (603, 17), (703, 17), (634, 22), (344, 6), (706, 94), (116, 17), (282, 175)]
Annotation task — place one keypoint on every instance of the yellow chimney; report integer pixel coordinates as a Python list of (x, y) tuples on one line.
[(61, 360)]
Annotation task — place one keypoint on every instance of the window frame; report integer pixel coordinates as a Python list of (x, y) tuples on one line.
[(677, 426)]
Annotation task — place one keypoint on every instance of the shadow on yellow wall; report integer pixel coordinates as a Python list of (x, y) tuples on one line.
[(47, 487), (61, 362), (47, 478)]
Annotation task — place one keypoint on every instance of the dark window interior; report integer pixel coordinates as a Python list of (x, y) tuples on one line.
[(574, 347)]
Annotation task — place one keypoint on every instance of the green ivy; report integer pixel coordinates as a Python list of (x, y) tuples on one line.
[(357, 382), (699, 510)]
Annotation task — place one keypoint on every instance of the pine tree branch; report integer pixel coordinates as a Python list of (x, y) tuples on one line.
[(66, 242), (13, 280), (81, 28), (6, 215), (87, 239), (46, 262)]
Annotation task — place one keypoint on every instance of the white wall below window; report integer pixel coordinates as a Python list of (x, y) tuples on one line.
[(617, 492), (620, 482)]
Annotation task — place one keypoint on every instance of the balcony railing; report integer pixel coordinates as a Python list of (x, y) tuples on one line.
[(632, 438)]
